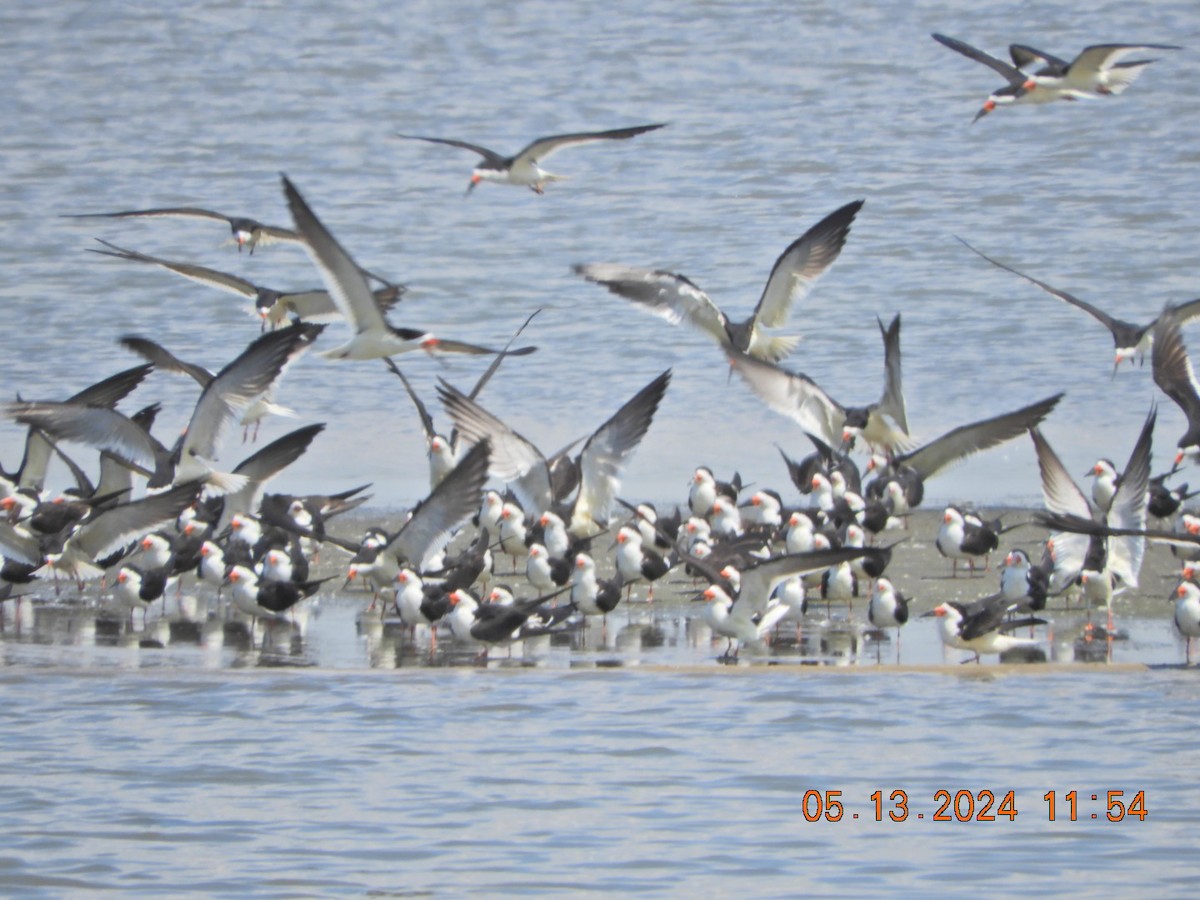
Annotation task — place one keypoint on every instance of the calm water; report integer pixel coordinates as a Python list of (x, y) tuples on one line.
[(141, 771)]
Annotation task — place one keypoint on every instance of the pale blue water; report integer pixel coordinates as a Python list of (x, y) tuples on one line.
[(176, 780)]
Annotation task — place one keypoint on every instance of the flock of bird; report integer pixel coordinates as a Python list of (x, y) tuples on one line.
[(158, 514)]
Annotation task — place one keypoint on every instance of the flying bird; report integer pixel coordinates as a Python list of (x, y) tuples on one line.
[(1100, 70), (677, 299), (272, 306), (524, 168), (373, 336), (1021, 88), (1129, 340), (882, 424), (248, 233), (600, 463)]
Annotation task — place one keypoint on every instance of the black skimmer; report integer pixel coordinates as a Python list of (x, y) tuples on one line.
[(373, 336), (823, 459), (432, 521), (443, 450), (263, 465), (901, 482), (732, 620), (1165, 502), (544, 572), (77, 553), (888, 608), (882, 424), (1187, 615), (981, 626), (754, 581), (524, 168), (273, 307), (266, 599), (494, 624), (1100, 70), (592, 595), (525, 468), (964, 535), (238, 385), (1173, 373), (1022, 581), (1130, 341), (1021, 88), (138, 588), (677, 299), (247, 233), (165, 361), (31, 473), (637, 562), (1075, 554), (705, 488), (1107, 480)]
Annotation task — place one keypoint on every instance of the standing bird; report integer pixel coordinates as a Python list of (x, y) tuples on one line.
[(980, 627), (888, 608), (1130, 341), (677, 299), (966, 536), (524, 168), (1022, 581), (592, 595), (705, 489), (1187, 615)]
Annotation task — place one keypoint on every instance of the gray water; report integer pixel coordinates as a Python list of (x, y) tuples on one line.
[(142, 772)]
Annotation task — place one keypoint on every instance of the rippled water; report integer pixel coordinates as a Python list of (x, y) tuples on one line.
[(293, 784), (136, 770)]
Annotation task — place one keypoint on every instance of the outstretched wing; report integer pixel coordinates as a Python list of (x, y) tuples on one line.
[(802, 263), (665, 294)]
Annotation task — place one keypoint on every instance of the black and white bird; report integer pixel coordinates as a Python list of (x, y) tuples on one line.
[(517, 461), (678, 300), (1022, 581), (443, 450), (965, 535), (981, 627), (1076, 555), (265, 598), (900, 482), (883, 424), (1130, 341), (248, 233), (1173, 373), (238, 385), (1187, 615), (524, 167), (1021, 88), (374, 337), (494, 624), (1100, 70), (430, 523), (273, 307), (888, 608)]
